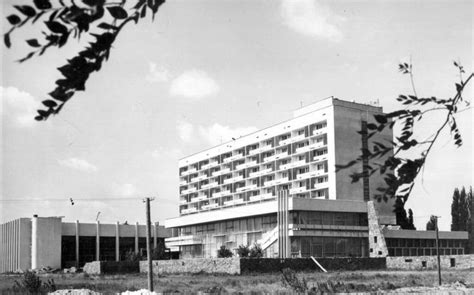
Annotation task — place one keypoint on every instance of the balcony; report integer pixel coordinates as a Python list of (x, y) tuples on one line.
[(276, 157), (246, 188), (260, 150), (210, 206), (276, 181), (189, 190), (320, 158), (292, 139), (262, 197), (310, 147), (292, 165), (310, 174), (221, 194), (210, 185), (234, 202), (233, 158), (189, 171), (246, 165), (319, 131), (220, 172), (260, 173), (234, 179), (298, 190), (189, 210), (182, 202), (198, 178), (210, 165)]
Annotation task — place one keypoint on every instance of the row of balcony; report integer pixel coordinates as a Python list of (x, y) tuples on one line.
[(252, 199), (258, 173), (261, 149), (266, 184)]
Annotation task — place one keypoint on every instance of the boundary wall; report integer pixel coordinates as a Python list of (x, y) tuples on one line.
[(431, 262)]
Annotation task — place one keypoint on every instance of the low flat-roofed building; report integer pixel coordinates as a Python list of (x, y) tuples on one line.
[(30, 243)]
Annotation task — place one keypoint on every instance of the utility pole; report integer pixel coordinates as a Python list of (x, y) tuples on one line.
[(148, 245), (437, 249)]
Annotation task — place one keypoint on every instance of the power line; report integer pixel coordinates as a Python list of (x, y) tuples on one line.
[(81, 199)]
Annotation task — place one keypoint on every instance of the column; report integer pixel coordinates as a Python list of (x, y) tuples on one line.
[(136, 237), (155, 234), (34, 242), (97, 242), (117, 242), (77, 243)]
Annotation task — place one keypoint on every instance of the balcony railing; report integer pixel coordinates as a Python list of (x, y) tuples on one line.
[(246, 188), (189, 190), (233, 158), (292, 139), (292, 165), (220, 172), (319, 131), (209, 165), (189, 171), (298, 190), (260, 173), (209, 185), (276, 181), (261, 197), (210, 206), (221, 194), (260, 149), (310, 174), (310, 147), (246, 165), (276, 157), (234, 202), (189, 210)]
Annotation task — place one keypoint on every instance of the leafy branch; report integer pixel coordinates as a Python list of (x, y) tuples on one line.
[(401, 172), (101, 20)]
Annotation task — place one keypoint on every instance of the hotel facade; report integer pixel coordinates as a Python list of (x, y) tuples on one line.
[(280, 184)]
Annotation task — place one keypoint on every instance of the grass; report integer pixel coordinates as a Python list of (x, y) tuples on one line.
[(248, 284)]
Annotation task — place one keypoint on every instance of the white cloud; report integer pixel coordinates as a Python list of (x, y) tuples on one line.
[(217, 134), (308, 17), (78, 164), (124, 190), (19, 105), (194, 84), (157, 74), (185, 131), (161, 153)]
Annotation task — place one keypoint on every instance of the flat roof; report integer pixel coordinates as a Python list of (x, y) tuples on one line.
[(423, 234)]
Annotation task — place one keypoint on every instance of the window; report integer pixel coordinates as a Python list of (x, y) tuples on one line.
[(375, 240)]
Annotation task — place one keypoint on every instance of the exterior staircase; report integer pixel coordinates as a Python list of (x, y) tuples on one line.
[(268, 238)]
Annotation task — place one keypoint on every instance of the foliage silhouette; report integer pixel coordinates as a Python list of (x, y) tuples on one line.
[(100, 20), (399, 171), (224, 252)]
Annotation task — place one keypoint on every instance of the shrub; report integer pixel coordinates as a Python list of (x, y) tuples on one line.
[(159, 252), (223, 252), (256, 251), (31, 283), (243, 251), (290, 279), (132, 256)]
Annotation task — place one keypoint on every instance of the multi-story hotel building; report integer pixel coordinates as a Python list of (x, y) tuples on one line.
[(278, 187)]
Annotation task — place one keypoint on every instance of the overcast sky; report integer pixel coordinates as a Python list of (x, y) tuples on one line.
[(205, 71)]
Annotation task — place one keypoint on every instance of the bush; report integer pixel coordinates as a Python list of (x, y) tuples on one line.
[(256, 251), (290, 279), (243, 251), (31, 283), (132, 256), (159, 252), (223, 252)]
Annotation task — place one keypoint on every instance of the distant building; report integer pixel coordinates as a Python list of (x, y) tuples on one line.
[(29, 243), (278, 187)]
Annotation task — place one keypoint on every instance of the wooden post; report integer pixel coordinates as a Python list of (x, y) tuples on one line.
[(437, 251), (148, 245)]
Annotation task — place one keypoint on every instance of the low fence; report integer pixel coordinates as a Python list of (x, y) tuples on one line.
[(111, 267), (196, 265), (249, 265), (431, 262)]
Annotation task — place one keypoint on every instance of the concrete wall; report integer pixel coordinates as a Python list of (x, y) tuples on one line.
[(347, 142), (417, 262), (46, 242), (196, 265), (15, 245)]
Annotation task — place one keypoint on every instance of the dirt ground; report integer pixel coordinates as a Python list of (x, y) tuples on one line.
[(348, 281)]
